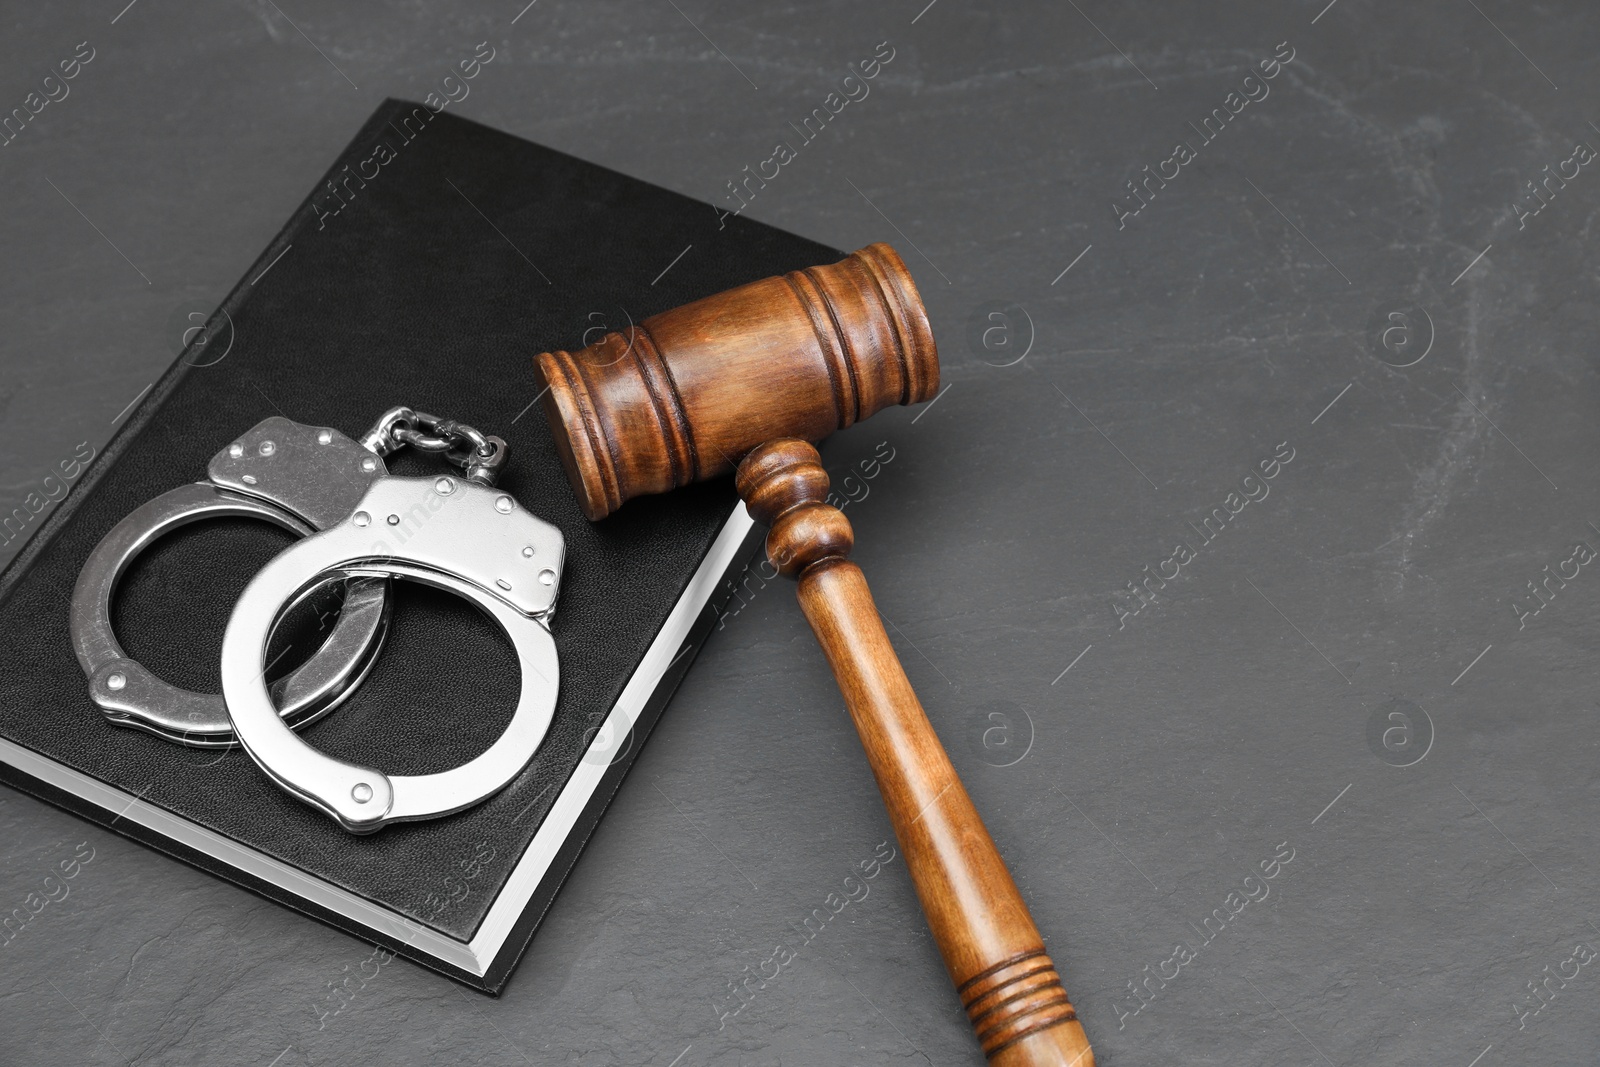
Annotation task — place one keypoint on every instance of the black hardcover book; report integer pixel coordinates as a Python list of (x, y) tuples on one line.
[(433, 262)]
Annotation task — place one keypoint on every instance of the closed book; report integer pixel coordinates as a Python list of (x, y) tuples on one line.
[(433, 261)]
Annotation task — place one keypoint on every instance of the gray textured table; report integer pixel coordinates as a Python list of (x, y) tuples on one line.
[(1159, 671)]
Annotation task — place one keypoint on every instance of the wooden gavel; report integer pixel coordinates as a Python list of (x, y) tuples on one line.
[(749, 377)]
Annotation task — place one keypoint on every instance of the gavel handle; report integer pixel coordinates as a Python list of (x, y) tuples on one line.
[(993, 952)]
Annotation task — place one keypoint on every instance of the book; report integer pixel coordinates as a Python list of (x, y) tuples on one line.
[(432, 262)]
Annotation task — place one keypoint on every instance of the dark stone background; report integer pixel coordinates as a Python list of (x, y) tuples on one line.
[(1245, 708)]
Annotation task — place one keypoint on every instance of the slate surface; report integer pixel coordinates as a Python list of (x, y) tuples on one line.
[(1351, 668)]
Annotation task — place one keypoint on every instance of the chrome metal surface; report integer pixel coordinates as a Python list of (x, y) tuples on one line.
[(455, 539), (132, 696), (481, 456), (301, 478), (311, 471)]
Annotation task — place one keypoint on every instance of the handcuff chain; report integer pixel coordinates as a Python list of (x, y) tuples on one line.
[(478, 454)]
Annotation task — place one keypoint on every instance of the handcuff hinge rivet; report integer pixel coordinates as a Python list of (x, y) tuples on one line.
[(503, 504), (361, 518), (361, 793), (444, 486), (527, 551), (547, 577), (324, 437), (116, 681), (267, 448), (236, 450), (369, 463), (394, 520)]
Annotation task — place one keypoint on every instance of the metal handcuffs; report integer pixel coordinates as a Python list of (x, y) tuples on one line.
[(455, 532), (301, 478)]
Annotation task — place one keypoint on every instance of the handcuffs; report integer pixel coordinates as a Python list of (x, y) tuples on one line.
[(361, 526), (305, 479)]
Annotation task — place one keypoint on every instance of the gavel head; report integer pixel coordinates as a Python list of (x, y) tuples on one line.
[(684, 395)]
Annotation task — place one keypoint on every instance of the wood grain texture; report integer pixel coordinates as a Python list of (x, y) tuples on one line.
[(994, 954), (751, 376), (683, 395)]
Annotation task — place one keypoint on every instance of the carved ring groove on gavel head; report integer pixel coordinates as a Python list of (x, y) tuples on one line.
[(684, 395)]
